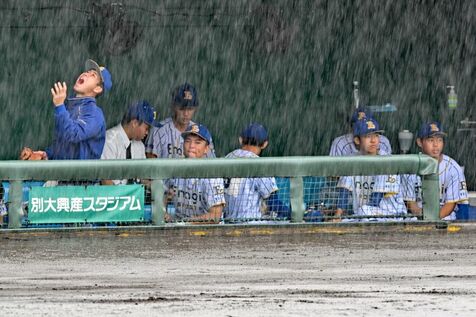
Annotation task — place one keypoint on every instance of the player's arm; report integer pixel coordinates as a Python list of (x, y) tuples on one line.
[(335, 150), (168, 195), (213, 215), (149, 143), (456, 192), (342, 203), (168, 198), (409, 188), (412, 206), (447, 209), (268, 191), (213, 191)]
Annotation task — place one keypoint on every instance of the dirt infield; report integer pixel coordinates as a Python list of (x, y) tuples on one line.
[(265, 271)]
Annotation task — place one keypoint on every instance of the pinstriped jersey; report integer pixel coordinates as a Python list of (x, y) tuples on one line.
[(244, 196), (452, 185), (344, 145), (194, 196), (166, 141), (362, 188)]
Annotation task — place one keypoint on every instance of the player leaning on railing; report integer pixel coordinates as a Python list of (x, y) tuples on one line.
[(195, 199), (430, 140), (372, 195)]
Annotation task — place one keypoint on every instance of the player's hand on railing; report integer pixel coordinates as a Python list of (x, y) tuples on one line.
[(337, 215), (29, 154), (25, 153)]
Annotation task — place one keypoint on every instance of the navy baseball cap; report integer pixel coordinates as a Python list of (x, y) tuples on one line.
[(256, 132), (366, 126), (360, 114), (185, 96), (430, 129), (199, 130), (141, 111), (105, 75)]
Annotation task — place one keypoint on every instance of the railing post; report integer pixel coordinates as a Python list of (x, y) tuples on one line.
[(158, 207), (15, 198), (431, 197), (297, 199)]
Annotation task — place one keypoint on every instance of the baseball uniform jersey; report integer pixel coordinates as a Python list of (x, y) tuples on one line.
[(344, 145), (452, 185), (166, 141), (244, 196), (195, 196), (362, 188)]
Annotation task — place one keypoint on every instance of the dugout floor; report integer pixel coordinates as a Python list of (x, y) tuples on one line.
[(238, 271)]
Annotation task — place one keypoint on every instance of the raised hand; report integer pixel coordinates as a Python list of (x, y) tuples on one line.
[(59, 93)]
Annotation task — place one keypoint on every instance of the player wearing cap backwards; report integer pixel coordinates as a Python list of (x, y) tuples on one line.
[(199, 199), (124, 141), (244, 196), (165, 140), (372, 195), (80, 127), (344, 144), (430, 139)]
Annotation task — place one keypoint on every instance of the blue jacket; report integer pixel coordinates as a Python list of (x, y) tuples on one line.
[(80, 131)]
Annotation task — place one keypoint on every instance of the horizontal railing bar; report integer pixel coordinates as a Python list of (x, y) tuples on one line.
[(290, 166)]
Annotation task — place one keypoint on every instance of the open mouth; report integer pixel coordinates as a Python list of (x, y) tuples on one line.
[(80, 80)]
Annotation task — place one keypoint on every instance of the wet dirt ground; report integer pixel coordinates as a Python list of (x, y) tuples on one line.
[(239, 273)]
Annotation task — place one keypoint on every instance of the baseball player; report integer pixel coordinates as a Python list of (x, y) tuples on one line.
[(124, 141), (245, 196), (430, 139), (372, 195), (165, 140), (344, 144), (199, 199), (80, 127)]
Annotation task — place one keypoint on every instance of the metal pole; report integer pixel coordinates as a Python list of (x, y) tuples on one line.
[(431, 197), (297, 199), (158, 207), (15, 207)]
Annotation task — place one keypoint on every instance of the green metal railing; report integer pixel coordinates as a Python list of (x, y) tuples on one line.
[(157, 170)]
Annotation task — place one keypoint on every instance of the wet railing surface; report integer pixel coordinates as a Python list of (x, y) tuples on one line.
[(306, 187)]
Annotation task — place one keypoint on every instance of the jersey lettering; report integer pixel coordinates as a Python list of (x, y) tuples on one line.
[(192, 197), (172, 150)]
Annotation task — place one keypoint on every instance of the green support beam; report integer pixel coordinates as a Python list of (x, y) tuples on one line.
[(158, 206), (15, 207), (431, 194), (297, 199)]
